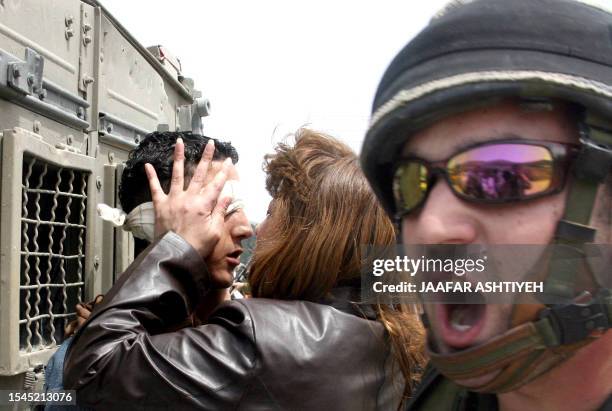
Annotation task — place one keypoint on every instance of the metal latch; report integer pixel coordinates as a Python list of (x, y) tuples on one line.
[(27, 76), (190, 116)]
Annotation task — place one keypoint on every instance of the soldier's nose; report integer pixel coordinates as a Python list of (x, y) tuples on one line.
[(443, 219)]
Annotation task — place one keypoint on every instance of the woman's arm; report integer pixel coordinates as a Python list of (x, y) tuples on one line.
[(122, 357)]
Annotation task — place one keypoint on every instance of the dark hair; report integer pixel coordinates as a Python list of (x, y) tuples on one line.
[(157, 148)]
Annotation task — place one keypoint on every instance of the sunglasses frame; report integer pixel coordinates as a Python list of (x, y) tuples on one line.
[(561, 153)]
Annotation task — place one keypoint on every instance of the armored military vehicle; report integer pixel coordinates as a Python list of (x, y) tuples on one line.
[(77, 92)]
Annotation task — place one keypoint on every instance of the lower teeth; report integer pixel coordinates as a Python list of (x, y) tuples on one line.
[(460, 327), (458, 319)]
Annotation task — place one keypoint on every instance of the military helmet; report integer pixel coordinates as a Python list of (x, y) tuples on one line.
[(474, 51)]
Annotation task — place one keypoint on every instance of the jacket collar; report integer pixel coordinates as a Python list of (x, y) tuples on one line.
[(347, 299)]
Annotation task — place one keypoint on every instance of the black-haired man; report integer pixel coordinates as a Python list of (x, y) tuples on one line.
[(157, 149)]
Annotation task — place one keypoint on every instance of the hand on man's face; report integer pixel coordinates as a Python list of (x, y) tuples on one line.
[(197, 214)]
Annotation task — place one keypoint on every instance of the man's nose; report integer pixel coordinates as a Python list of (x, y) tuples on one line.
[(242, 228), (443, 219)]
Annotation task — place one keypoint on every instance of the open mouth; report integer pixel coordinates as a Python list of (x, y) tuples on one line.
[(460, 324), (235, 254), (233, 258)]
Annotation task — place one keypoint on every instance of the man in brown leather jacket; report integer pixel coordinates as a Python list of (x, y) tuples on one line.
[(252, 354)]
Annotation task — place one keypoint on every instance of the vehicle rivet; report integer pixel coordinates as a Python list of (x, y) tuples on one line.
[(87, 80)]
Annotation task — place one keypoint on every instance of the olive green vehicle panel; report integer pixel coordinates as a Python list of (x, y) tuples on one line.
[(77, 92)]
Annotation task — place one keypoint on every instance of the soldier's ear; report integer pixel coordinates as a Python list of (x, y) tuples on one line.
[(602, 212)]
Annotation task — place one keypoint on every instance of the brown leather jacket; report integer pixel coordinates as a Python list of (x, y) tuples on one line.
[(254, 354)]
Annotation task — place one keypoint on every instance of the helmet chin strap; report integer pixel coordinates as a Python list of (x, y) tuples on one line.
[(543, 336)]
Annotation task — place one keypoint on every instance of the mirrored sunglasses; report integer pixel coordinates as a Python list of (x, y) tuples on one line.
[(492, 172)]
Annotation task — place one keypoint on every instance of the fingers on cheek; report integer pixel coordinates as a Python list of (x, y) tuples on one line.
[(218, 184), (223, 203), (215, 236), (201, 212)]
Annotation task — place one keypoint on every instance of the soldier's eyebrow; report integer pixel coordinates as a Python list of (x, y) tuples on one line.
[(464, 144), (472, 141)]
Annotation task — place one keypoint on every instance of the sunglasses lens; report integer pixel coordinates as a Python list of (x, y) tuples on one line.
[(410, 185), (502, 172)]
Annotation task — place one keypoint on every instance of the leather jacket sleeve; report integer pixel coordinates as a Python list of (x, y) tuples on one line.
[(122, 358)]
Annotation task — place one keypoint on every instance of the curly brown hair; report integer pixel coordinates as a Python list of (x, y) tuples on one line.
[(323, 211)]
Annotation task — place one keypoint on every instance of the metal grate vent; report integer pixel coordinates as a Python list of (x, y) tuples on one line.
[(53, 229)]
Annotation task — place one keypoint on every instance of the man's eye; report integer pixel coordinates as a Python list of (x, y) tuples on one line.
[(234, 206)]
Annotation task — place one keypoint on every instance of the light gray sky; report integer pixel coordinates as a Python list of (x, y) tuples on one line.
[(271, 66)]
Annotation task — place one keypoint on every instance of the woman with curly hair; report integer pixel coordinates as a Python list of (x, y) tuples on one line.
[(310, 245), (303, 342)]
